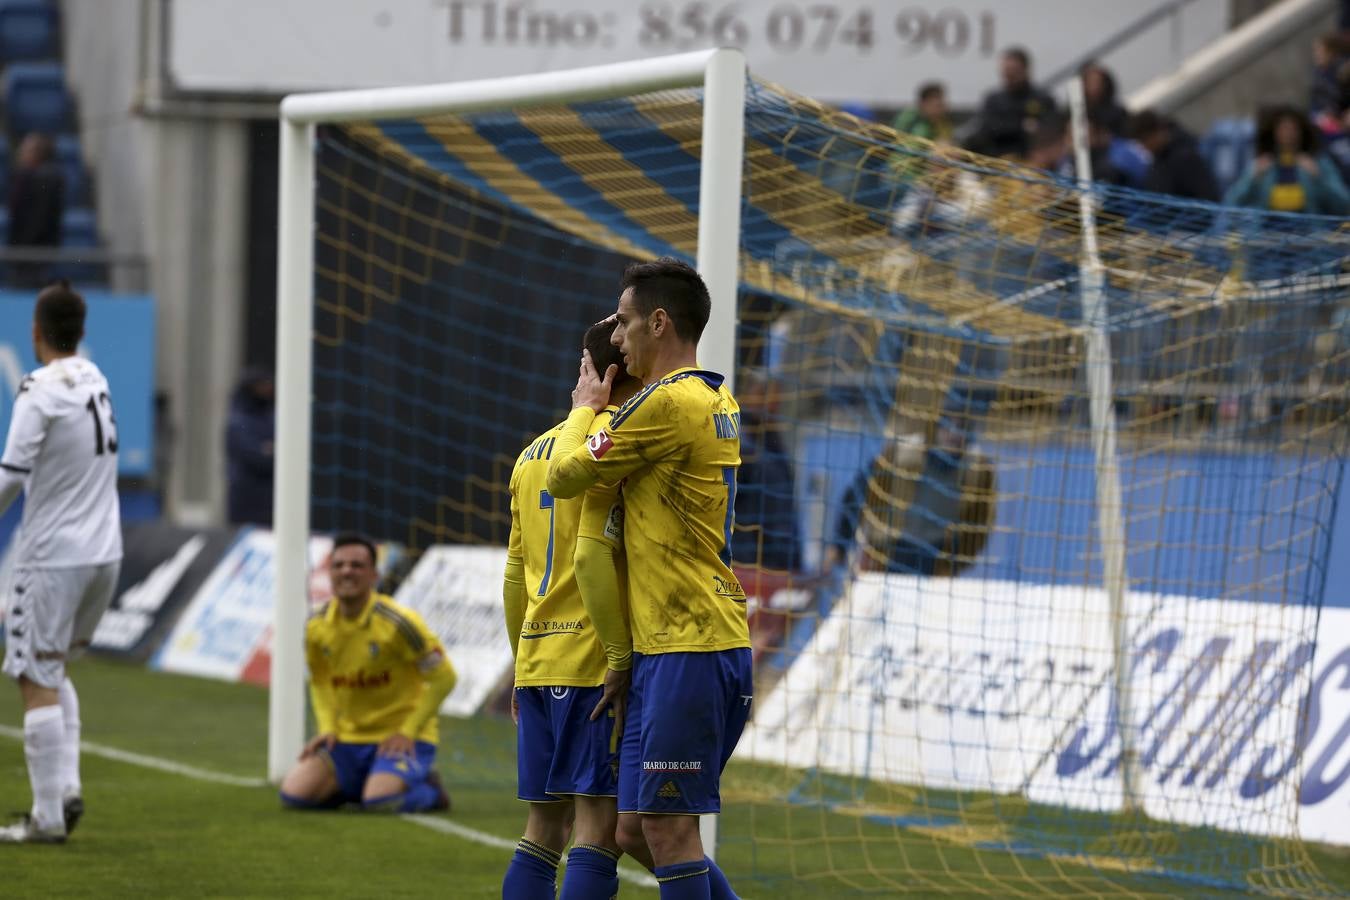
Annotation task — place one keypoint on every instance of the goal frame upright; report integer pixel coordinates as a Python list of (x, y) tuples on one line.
[(722, 75)]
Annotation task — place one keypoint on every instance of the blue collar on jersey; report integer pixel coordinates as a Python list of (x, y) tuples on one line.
[(712, 379)]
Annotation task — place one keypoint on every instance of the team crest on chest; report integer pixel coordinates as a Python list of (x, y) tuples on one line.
[(374, 650)]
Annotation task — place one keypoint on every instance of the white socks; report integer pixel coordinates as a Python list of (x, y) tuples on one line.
[(43, 737), (70, 745)]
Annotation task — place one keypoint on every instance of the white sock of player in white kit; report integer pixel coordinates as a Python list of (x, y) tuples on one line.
[(70, 744), (43, 733)]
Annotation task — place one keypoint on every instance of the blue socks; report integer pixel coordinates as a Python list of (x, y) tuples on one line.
[(533, 873), (719, 887), (592, 874), (685, 881)]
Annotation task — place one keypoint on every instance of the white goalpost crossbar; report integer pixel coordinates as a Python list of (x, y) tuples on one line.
[(722, 75)]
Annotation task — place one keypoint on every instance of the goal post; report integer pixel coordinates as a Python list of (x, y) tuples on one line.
[(721, 73)]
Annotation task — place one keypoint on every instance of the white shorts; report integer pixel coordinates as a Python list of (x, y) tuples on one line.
[(51, 617)]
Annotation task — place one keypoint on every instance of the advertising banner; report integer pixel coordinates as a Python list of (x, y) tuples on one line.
[(866, 51), (458, 591), (1241, 722), (163, 565)]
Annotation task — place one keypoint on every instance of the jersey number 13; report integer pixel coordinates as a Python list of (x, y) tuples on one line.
[(100, 407)]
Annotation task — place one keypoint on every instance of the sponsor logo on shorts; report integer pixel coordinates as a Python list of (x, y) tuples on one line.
[(558, 693), (598, 444), (668, 791), (692, 765)]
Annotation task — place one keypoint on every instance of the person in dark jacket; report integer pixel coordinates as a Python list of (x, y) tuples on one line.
[(249, 439), (1011, 115), (766, 532), (37, 198), (1178, 168), (1099, 90)]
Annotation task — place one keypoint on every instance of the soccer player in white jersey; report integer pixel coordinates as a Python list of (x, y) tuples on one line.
[(62, 453)]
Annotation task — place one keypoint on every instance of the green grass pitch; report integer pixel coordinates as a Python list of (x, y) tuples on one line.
[(153, 833)]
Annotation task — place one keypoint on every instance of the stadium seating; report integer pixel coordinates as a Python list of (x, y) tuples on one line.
[(79, 228), (71, 161), (36, 98), (28, 30)]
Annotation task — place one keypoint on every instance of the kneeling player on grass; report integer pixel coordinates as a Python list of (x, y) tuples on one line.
[(567, 740), (377, 677)]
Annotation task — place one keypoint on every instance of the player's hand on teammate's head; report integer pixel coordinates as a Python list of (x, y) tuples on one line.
[(592, 389)]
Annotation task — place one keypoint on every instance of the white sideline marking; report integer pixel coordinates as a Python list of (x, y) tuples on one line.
[(642, 879), (153, 762), (175, 768)]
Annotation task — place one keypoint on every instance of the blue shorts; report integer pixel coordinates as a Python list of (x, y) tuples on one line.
[(686, 711), (354, 763), (559, 750)]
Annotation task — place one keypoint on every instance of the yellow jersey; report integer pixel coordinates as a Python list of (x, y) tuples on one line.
[(675, 446), (558, 645), (370, 671)]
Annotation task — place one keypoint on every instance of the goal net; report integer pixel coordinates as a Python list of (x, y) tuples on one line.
[(958, 690)]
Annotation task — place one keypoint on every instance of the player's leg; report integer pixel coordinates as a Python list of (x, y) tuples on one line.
[(533, 871), (328, 778), (585, 767), (686, 742), (628, 834), (405, 784), (98, 596), (39, 624)]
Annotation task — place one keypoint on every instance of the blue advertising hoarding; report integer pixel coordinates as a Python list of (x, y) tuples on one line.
[(120, 339)]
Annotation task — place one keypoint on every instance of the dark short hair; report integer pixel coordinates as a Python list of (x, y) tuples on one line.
[(350, 538), (603, 353), (674, 286), (59, 314), (1146, 122), (1020, 54), (930, 89)]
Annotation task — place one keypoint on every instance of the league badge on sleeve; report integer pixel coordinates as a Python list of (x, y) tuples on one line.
[(598, 444)]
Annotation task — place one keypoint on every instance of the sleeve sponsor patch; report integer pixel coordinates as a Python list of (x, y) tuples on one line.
[(598, 444)]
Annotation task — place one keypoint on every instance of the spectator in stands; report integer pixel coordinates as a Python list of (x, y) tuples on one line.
[(1099, 89), (36, 202), (1288, 173), (1011, 115), (917, 510), (1178, 168), (927, 118), (1048, 147), (766, 509), (1334, 125), (249, 439), (1328, 52), (1115, 159)]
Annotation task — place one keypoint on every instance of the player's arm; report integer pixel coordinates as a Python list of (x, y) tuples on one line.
[(439, 678), (515, 599), (640, 432), (424, 650), (322, 698), (599, 541), (27, 430)]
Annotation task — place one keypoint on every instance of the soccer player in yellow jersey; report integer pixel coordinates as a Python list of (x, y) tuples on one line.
[(675, 447), (567, 744), (377, 676)]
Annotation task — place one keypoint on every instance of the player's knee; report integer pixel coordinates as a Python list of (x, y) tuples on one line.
[(628, 835), (671, 837)]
